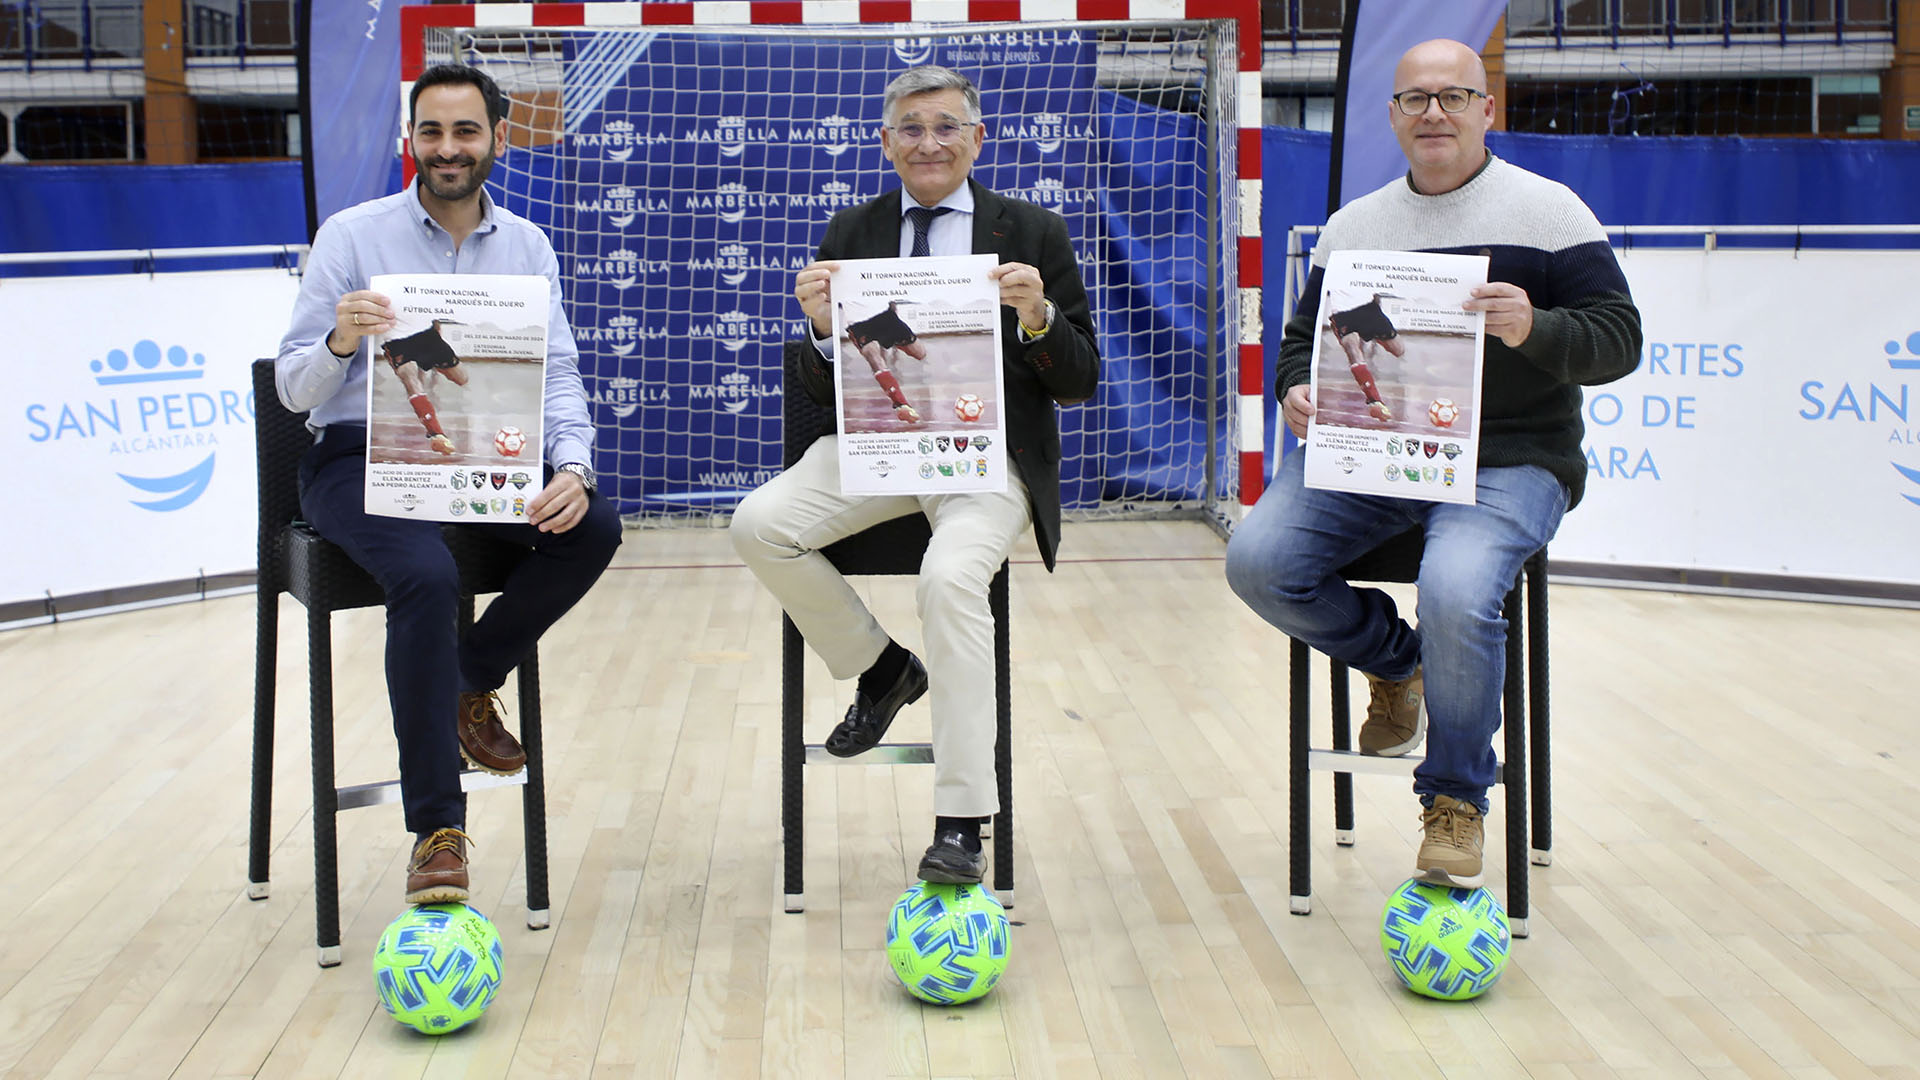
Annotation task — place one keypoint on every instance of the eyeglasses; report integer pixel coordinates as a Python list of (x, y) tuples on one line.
[(943, 133), (1453, 99)]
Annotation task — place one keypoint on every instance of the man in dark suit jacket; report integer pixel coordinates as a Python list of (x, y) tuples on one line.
[(932, 136)]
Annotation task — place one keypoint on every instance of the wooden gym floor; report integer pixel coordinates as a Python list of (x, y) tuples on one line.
[(1735, 888)]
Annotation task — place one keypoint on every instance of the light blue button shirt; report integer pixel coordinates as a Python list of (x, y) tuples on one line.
[(396, 235)]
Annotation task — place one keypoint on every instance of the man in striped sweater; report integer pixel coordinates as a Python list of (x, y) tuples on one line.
[(1558, 316)]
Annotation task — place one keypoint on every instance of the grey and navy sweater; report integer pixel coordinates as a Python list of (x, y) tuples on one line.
[(1538, 235)]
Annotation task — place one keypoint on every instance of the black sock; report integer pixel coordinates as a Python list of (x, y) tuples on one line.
[(967, 827), (879, 678)]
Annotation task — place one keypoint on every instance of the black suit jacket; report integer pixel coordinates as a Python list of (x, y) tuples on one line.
[(1063, 366)]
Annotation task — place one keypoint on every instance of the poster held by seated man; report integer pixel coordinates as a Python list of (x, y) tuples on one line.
[(473, 375)]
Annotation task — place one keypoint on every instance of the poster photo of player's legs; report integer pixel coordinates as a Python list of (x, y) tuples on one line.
[(909, 368), (1376, 372), (433, 405)]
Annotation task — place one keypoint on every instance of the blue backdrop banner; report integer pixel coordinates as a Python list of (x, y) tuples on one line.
[(696, 183)]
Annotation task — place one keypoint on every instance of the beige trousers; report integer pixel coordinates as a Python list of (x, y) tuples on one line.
[(779, 530)]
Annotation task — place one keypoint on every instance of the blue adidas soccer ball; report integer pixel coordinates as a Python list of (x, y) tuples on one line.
[(948, 943), (437, 967), (1443, 942)]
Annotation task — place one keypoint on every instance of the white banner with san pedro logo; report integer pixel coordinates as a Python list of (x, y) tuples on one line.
[(130, 426), (1772, 426)]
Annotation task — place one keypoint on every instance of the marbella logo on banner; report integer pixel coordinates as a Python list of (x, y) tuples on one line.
[(731, 263), (735, 390), (620, 335), (618, 140), (835, 135), (1752, 437), (138, 428), (619, 206)]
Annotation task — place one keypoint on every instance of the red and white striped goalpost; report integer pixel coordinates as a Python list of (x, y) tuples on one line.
[(416, 20)]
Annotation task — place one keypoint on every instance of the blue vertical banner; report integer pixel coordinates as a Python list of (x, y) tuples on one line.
[(350, 103), (1365, 153)]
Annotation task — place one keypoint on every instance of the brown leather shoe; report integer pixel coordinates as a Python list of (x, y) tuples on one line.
[(1396, 715), (437, 873), (485, 740)]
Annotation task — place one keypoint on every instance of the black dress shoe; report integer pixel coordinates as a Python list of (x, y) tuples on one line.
[(867, 720), (949, 862)]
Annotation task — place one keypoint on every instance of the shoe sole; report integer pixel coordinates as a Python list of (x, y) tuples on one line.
[(1402, 749), (936, 876), (439, 894), (486, 768), (1437, 876)]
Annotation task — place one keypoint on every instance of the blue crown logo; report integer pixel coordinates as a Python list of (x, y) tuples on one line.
[(147, 365), (1909, 362)]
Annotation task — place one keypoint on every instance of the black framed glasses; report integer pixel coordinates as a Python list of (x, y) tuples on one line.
[(944, 132), (1454, 99)]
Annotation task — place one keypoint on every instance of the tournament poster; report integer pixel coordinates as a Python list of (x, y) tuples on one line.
[(918, 388), (454, 397), (1396, 376)]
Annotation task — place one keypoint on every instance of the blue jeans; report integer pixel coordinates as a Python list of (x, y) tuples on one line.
[(1284, 562)]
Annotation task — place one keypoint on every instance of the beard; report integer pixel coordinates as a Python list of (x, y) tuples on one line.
[(455, 190)]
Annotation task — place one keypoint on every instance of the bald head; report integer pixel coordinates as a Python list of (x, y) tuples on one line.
[(1441, 55), (1444, 150)]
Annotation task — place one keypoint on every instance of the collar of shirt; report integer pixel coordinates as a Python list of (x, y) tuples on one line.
[(950, 234), (488, 224)]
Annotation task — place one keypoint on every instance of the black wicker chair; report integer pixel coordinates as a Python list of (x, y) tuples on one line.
[(1525, 707), (295, 560), (892, 547)]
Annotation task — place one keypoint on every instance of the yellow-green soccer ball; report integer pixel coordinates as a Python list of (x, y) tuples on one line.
[(1445, 943), (437, 967), (948, 943)]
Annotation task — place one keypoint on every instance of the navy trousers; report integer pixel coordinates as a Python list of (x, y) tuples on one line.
[(428, 662)]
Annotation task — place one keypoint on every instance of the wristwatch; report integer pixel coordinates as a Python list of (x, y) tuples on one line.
[(585, 474)]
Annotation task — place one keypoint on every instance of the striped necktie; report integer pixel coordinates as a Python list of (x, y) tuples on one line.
[(922, 219)]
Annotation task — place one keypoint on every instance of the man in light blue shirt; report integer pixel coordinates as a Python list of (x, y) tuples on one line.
[(441, 685)]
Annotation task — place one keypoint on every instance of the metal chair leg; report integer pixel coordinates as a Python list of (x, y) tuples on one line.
[(1003, 741), (326, 860), (1514, 769), (533, 797), (793, 751), (1342, 740), (1299, 805), (266, 642), (1538, 709)]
